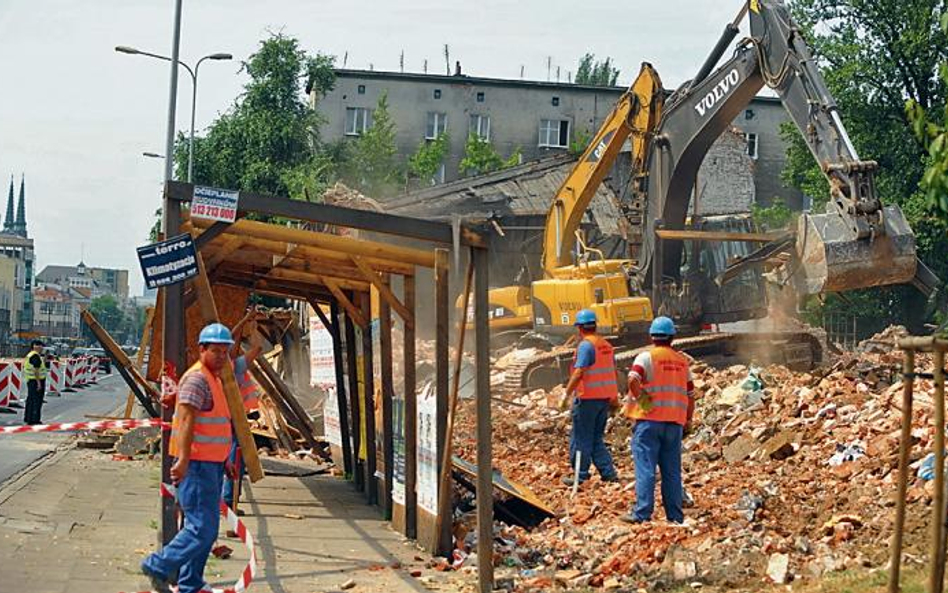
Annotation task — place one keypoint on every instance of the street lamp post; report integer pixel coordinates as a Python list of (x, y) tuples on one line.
[(194, 80)]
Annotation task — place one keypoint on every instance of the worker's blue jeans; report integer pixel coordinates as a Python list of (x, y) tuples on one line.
[(657, 444), (589, 427), (199, 496), (227, 492)]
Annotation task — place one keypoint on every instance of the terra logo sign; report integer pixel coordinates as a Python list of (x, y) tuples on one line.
[(720, 90)]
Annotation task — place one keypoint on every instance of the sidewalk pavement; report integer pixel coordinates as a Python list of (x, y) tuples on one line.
[(79, 522)]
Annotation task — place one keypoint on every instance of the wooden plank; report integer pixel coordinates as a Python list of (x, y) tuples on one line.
[(347, 245), (312, 257), (689, 235), (337, 345), (354, 313), (306, 427), (235, 403), (442, 325), (368, 380), (215, 230), (445, 502), (411, 413), (355, 421), (155, 352), (387, 393), (231, 245), (485, 495), (384, 291), (140, 355)]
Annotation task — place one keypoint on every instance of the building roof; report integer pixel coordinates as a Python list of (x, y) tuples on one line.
[(524, 190), (52, 273), (488, 81)]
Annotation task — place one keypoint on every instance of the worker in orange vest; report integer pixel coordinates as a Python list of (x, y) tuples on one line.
[(661, 402), (200, 442), (593, 381)]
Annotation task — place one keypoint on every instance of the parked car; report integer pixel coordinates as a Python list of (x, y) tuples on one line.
[(105, 363)]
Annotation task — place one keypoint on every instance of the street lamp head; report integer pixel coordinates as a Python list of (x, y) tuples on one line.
[(221, 56), (153, 155), (124, 49)]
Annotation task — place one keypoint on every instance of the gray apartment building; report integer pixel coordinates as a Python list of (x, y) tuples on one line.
[(538, 118)]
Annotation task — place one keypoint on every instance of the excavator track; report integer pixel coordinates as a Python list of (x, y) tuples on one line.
[(798, 350)]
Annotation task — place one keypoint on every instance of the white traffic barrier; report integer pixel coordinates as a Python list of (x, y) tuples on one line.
[(56, 378)]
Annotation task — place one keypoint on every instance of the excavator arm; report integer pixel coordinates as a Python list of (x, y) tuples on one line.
[(858, 243), (634, 117)]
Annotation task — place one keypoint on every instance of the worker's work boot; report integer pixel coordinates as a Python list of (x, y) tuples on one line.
[(631, 518), (568, 480), (159, 584), (610, 479)]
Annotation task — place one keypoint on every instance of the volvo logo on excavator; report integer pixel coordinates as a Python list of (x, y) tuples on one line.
[(600, 149), (720, 91)]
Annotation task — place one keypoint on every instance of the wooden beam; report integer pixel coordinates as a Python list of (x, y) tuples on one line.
[(305, 279), (411, 414), (347, 245), (442, 321), (306, 427), (371, 482), (235, 403), (352, 367), (306, 255), (387, 394), (384, 291), (485, 469), (140, 356), (354, 313), (219, 255), (416, 228), (332, 325), (215, 230), (689, 235)]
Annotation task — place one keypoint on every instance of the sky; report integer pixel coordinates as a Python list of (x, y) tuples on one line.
[(75, 116)]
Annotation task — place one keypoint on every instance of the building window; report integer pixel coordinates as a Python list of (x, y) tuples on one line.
[(357, 120), (437, 125), (480, 126), (480, 97), (554, 133), (556, 101), (751, 145), (749, 114), (437, 93), (361, 89)]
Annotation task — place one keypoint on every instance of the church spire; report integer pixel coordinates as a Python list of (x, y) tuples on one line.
[(19, 226), (8, 221)]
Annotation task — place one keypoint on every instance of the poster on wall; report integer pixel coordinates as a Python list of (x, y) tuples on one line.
[(331, 418), (322, 364), (427, 487), (398, 444)]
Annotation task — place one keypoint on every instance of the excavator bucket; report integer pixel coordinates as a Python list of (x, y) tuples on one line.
[(832, 259)]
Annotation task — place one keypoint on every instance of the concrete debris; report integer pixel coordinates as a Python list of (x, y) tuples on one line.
[(768, 503)]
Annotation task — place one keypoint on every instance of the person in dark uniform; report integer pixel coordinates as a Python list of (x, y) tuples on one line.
[(34, 372)]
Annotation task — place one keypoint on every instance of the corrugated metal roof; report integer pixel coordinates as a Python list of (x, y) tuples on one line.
[(524, 190)]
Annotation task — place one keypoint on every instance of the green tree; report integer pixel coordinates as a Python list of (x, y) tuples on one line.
[(429, 157), (371, 162), (776, 216), (106, 310), (268, 140), (873, 55), (596, 72), (480, 157)]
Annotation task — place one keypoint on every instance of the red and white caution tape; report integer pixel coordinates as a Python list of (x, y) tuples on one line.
[(74, 426), (238, 527)]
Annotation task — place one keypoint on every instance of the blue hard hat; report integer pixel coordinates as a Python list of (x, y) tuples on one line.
[(586, 317), (215, 333), (662, 326)]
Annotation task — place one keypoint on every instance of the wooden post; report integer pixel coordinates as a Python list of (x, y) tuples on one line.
[(332, 325), (238, 415), (140, 356), (296, 412), (938, 502), (371, 483), (411, 413), (173, 351), (443, 536), (485, 494), (905, 449), (358, 476), (387, 392), (445, 498)]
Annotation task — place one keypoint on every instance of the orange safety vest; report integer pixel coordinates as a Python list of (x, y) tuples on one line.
[(665, 397), (249, 391), (212, 432), (599, 380)]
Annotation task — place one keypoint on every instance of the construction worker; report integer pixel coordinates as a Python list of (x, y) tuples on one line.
[(34, 372), (661, 402), (200, 442), (593, 381), (250, 393)]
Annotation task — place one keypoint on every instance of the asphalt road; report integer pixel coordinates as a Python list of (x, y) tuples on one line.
[(18, 451)]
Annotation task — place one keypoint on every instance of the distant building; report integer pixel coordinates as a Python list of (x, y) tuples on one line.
[(16, 272), (100, 281), (57, 310), (538, 118)]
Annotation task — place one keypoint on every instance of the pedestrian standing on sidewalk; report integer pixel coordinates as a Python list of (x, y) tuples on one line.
[(200, 442), (34, 372), (593, 380), (661, 402)]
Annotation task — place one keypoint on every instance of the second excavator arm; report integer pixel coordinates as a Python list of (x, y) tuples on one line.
[(634, 117)]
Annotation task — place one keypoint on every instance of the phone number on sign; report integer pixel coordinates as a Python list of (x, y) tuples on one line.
[(209, 211)]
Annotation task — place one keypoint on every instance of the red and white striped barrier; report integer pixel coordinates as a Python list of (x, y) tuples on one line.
[(93, 367), (11, 382), (238, 527), (55, 379), (70, 365), (91, 425)]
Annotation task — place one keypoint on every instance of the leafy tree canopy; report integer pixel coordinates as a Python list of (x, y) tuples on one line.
[(480, 157), (596, 72), (429, 157)]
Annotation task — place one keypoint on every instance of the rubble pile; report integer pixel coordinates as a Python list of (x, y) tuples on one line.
[(792, 475), (342, 195)]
